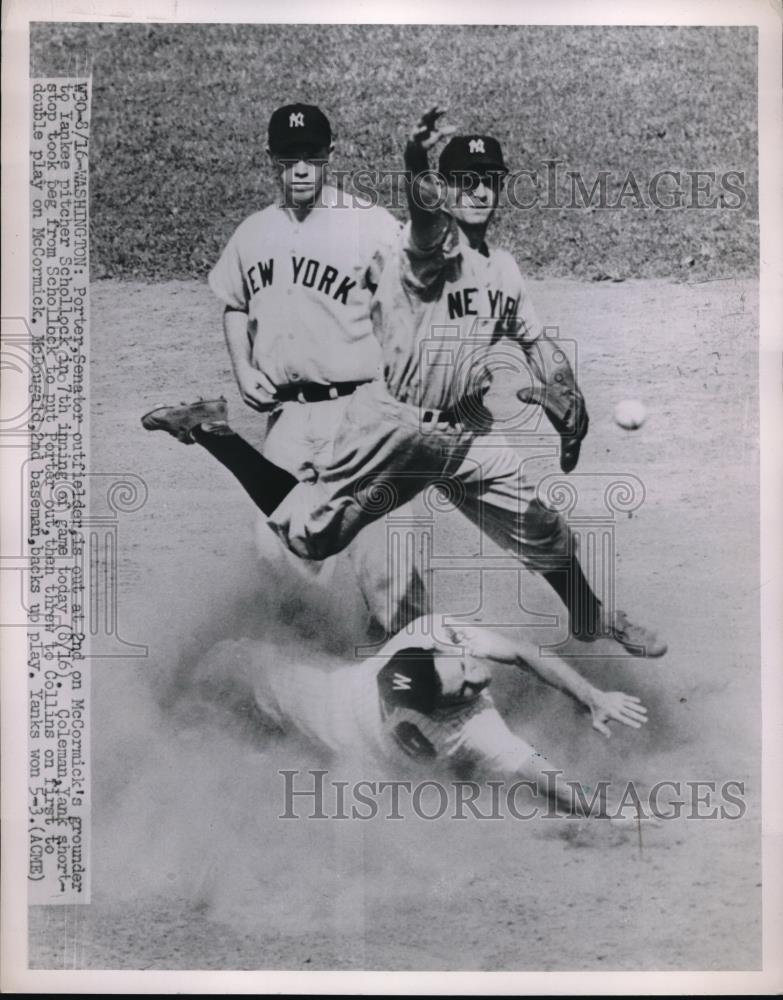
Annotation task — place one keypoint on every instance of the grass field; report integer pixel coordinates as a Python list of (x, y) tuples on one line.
[(180, 114)]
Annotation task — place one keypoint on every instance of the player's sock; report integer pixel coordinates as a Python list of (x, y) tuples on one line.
[(265, 483), (584, 608)]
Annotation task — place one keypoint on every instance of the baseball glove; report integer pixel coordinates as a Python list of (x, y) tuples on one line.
[(565, 407), (571, 423)]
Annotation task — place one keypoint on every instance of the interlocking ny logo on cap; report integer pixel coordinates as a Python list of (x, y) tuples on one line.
[(476, 146), (298, 127)]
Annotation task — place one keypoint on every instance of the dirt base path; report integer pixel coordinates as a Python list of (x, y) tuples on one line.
[(192, 868)]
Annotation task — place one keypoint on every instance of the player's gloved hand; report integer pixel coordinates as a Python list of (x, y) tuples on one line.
[(573, 430), (424, 136), (567, 413), (256, 389), (615, 706), (427, 131), (569, 452)]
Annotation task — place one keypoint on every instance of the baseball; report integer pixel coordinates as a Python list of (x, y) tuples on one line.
[(630, 414)]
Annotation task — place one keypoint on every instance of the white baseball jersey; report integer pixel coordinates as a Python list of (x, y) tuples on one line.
[(437, 312), (343, 708), (436, 315), (306, 286)]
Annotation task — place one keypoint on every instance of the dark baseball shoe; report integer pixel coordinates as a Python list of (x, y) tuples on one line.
[(638, 640), (179, 421)]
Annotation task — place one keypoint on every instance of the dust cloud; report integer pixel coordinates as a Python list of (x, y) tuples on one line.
[(188, 794)]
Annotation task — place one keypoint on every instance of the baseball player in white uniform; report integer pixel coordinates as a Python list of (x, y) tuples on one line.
[(422, 422), (424, 697), (296, 281)]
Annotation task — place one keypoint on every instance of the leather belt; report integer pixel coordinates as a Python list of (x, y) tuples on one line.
[(314, 392)]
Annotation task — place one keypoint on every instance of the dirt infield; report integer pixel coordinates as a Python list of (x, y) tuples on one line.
[(192, 867)]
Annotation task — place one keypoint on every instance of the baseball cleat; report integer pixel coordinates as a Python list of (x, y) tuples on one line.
[(179, 421), (638, 640)]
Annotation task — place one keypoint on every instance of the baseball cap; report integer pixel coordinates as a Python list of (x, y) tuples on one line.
[(475, 153), (298, 126), (425, 680)]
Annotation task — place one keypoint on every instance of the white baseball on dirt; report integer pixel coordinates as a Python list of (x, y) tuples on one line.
[(630, 414)]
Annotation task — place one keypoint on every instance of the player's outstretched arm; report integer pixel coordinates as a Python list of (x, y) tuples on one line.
[(257, 391), (423, 186), (605, 706)]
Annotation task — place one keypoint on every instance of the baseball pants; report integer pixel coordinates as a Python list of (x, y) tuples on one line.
[(385, 455), (300, 438)]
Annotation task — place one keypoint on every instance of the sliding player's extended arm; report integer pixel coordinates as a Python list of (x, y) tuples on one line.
[(604, 706)]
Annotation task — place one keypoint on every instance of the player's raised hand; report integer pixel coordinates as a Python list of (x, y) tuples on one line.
[(427, 132), (425, 194), (615, 706)]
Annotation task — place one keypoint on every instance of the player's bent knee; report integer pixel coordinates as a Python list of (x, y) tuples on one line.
[(545, 538)]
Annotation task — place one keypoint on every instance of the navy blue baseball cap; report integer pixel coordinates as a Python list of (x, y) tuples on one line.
[(475, 153), (297, 127)]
